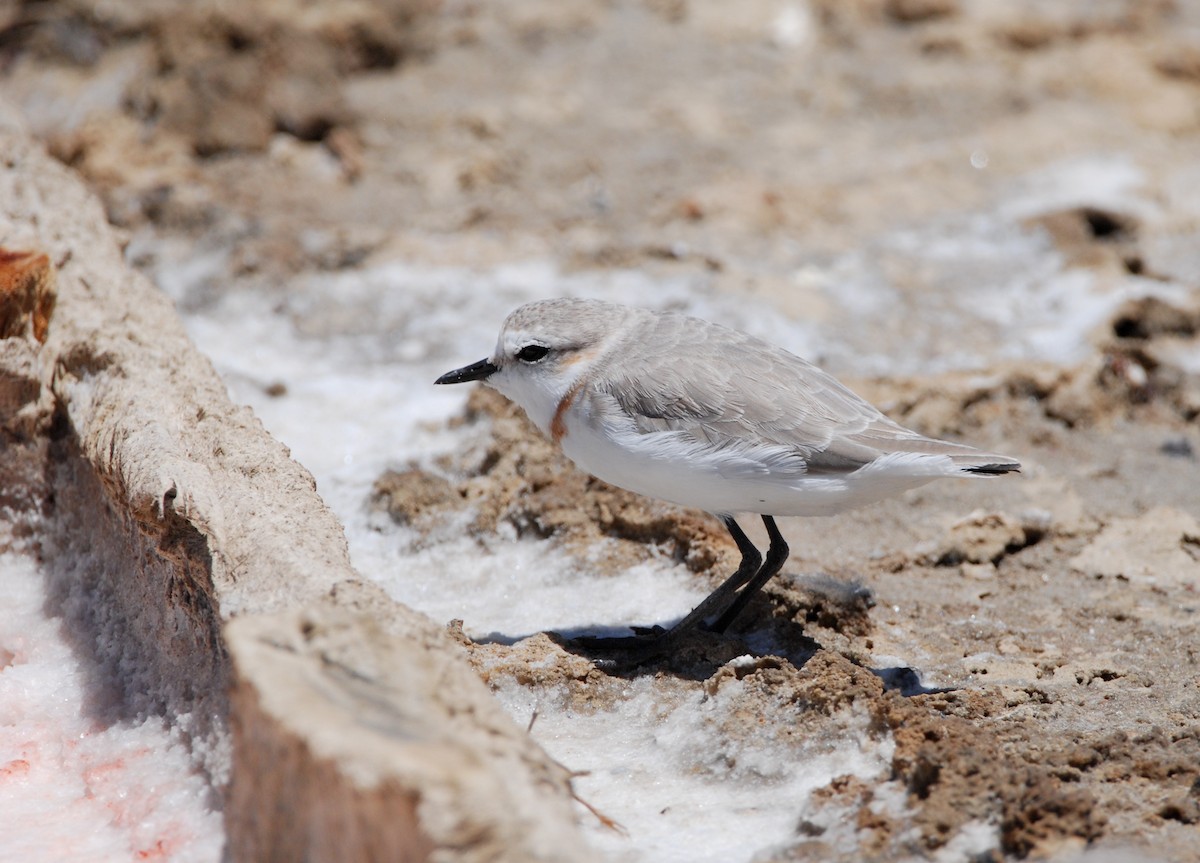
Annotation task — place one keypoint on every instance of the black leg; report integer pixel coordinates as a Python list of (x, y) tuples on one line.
[(751, 559), (657, 641), (776, 555)]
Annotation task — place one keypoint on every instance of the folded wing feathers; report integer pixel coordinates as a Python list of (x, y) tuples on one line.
[(804, 419)]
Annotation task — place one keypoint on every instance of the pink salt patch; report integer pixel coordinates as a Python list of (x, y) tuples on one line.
[(73, 786)]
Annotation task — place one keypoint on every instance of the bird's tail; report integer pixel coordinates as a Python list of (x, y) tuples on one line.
[(986, 464), (965, 458)]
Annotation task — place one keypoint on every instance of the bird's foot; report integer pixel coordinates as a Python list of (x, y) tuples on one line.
[(641, 635), (645, 643), (640, 638)]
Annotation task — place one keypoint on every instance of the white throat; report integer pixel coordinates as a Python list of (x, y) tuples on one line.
[(540, 392)]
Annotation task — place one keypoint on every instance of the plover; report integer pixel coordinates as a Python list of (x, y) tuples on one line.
[(677, 408)]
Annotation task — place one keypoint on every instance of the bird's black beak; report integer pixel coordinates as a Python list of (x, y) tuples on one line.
[(474, 372)]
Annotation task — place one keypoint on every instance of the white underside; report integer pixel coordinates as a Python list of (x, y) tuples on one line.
[(667, 466)]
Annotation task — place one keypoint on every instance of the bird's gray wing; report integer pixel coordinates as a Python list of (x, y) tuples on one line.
[(721, 389)]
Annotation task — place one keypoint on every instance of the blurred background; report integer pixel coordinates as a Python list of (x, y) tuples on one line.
[(931, 178)]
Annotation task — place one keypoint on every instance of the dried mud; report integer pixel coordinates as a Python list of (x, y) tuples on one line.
[(1028, 644)]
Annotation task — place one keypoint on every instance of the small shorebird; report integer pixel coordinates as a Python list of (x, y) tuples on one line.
[(675, 407)]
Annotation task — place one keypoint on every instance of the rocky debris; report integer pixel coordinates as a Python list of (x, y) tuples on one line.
[(158, 91), (961, 773), (1093, 237), (1161, 547), (20, 386), (227, 76), (825, 684), (1152, 317), (836, 604), (986, 537), (1142, 368), (28, 293), (336, 756), (916, 11), (413, 495), (27, 297), (958, 772), (540, 661)]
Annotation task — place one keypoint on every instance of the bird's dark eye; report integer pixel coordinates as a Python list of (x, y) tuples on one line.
[(532, 353)]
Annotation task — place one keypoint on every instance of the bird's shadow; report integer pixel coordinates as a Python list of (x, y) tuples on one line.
[(693, 656), (906, 680), (698, 655)]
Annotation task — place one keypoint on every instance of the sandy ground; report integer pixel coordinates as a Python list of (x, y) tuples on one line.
[(916, 180)]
